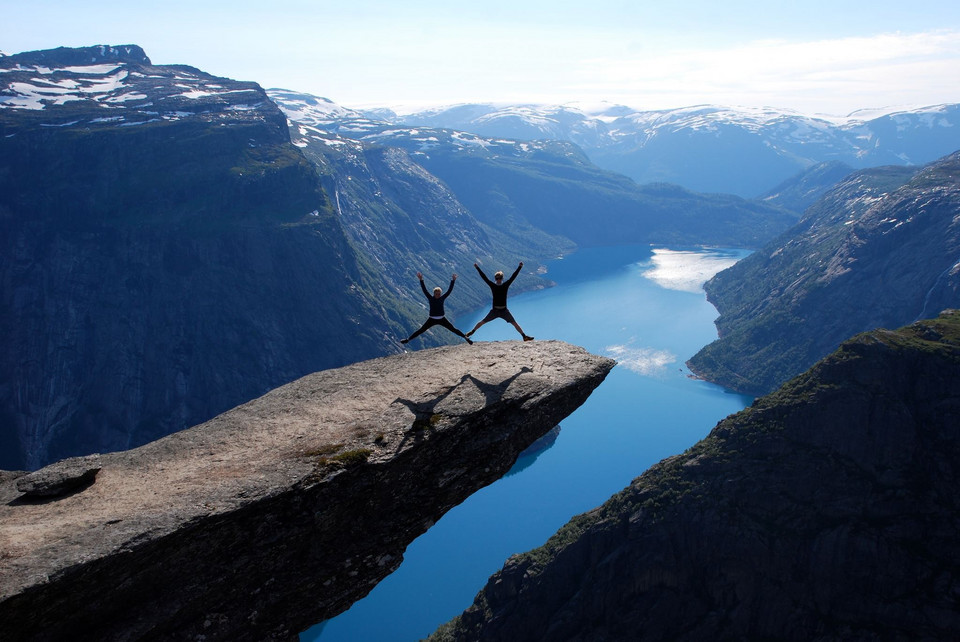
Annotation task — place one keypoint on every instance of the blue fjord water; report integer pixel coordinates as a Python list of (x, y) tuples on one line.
[(644, 307)]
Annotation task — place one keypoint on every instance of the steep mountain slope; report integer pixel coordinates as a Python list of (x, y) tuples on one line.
[(553, 187), (521, 187), (799, 192), (710, 148), (826, 511), (880, 250), (165, 254), (406, 220)]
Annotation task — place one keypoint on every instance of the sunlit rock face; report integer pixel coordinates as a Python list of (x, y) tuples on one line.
[(282, 512)]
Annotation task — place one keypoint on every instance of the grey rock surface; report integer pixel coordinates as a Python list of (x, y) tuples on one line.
[(61, 477), (282, 512)]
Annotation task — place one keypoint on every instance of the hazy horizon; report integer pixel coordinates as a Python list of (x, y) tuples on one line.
[(815, 58)]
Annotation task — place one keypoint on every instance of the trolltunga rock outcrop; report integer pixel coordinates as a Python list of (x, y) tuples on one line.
[(284, 511)]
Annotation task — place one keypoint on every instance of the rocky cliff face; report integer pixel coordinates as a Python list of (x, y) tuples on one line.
[(826, 511), (406, 219), (165, 254), (279, 513), (881, 249)]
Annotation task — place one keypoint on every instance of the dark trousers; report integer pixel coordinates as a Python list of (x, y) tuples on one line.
[(432, 322)]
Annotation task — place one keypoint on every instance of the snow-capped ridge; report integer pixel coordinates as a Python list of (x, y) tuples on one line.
[(118, 86), (305, 108), (321, 120)]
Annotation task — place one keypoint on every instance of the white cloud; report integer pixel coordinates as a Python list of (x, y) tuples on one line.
[(838, 75), (645, 55), (644, 361)]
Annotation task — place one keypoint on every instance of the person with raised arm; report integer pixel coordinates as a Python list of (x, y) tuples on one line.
[(437, 316), (498, 288)]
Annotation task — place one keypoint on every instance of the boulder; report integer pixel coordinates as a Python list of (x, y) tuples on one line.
[(60, 478)]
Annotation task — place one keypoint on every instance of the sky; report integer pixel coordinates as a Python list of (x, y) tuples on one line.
[(817, 57)]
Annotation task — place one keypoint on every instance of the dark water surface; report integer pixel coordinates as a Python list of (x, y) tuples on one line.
[(645, 308)]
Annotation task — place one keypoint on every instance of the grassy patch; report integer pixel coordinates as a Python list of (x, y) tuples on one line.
[(351, 457), (327, 461), (324, 450)]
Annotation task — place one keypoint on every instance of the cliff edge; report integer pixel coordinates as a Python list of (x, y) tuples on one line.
[(826, 511), (282, 512)]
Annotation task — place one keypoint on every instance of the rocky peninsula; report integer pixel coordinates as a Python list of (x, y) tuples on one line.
[(282, 512)]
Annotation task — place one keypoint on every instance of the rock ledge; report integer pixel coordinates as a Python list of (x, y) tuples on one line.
[(284, 511), (60, 478)]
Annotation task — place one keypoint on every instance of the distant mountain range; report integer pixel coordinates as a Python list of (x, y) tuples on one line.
[(526, 188), (709, 148)]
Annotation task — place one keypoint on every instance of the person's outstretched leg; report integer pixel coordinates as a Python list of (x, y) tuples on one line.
[(506, 316), (490, 316), (520, 330), (449, 326), (429, 324)]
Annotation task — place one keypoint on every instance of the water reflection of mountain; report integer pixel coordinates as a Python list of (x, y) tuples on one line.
[(534, 450)]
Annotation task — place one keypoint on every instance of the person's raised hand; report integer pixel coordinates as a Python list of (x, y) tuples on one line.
[(420, 276)]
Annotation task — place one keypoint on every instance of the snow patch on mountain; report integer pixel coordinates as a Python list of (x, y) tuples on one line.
[(709, 148), (304, 108), (118, 79)]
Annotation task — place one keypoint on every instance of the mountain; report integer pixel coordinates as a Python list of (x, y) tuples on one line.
[(525, 188), (404, 218), (880, 249), (585, 128), (165, 254), (282, 512), (825, 511), (799, 192), (708, 148)]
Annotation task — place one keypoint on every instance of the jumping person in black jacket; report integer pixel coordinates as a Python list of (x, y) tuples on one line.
[(499, 309), (437, 316)]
